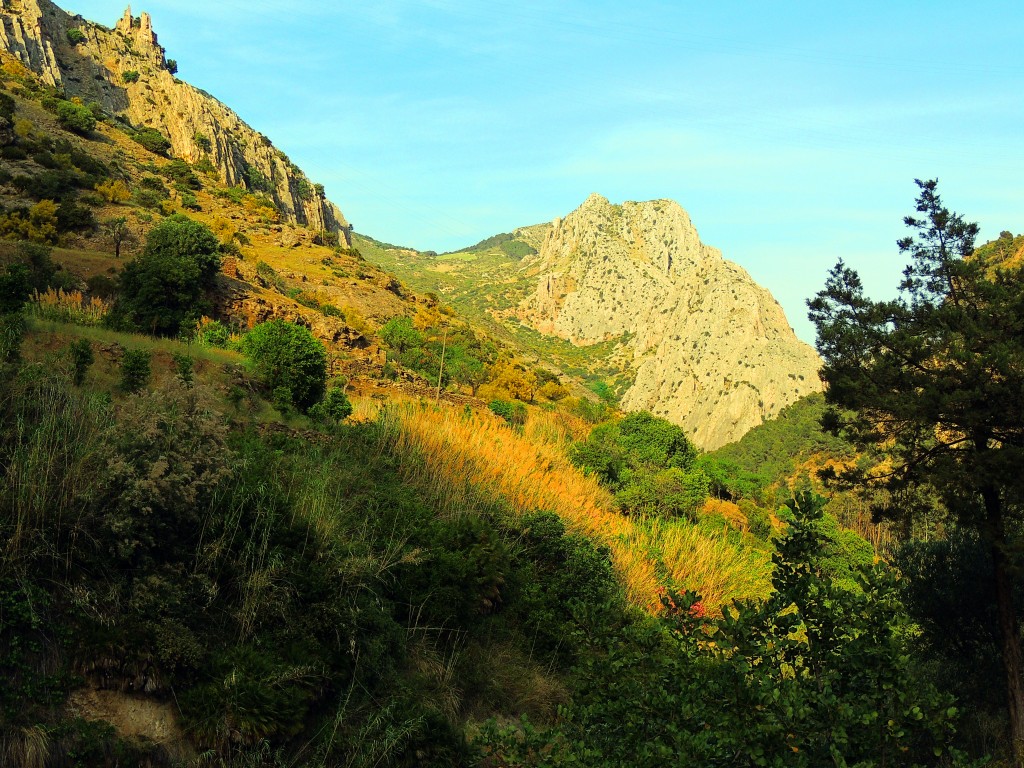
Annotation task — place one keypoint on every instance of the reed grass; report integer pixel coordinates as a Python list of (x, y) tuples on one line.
[(68, 307)]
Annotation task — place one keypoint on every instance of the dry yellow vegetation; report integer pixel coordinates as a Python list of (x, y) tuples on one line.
[(463, 456)]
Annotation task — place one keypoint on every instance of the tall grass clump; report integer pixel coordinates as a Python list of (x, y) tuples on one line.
[(68, 307), (50, 463)]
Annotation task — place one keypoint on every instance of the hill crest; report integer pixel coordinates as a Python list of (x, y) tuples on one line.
[(126, 72)]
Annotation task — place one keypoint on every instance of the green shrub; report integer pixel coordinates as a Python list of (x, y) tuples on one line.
[(184, 368), (72, 217), (512, 411), (288, 356), (75, 36), (75, 117), (181, 172), (135, 369), (131, 76), (15, 288), (7, 106), (172, 66), (333, 409), (81, 359), (148, 198), (153, 140), (203, 142), (164, 289), (213, 334)]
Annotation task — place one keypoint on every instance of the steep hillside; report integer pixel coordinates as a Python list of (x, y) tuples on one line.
[(629, 294), (712, 349), (125, 71)]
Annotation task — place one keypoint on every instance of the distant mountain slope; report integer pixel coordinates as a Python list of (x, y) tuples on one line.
[(712, 350), (125, 71), (629, 294)]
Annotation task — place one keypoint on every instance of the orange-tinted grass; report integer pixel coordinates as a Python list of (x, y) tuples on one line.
[(460, 455)]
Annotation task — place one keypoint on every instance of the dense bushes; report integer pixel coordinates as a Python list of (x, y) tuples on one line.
[(76, 117), (648, 462), (466, 355), (291, 362), (164, 289)]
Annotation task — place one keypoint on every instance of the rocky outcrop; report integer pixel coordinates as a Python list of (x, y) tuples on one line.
[(712, 350), (125, 70)]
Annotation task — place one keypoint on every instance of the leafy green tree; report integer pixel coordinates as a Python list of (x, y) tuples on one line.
[(399, 334), (118, 233), (15, 287), (934, 377), (814, 675), (288, 356), (165, 287)]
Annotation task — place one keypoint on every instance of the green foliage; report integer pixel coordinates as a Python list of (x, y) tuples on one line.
[(37, 258), (72, 217), (648, 462), (75, 36), (153, 140), (213, 334), (203, 142), (181, 172), (131, 76), (256, 181), (512, 411), (172, 66), (815, 675), (15, 288), (517, 249), (933, 378), (135, 369), (81, 358), (7, 106), (288, 356), (771, 452), (163, 290), (75, 117), (333, 409), (400, 335), (184, 369)]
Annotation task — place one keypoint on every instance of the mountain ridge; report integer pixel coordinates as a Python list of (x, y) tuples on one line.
[(712, 350), (125, 71)]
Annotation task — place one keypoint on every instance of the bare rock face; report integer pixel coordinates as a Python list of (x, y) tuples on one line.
[(712, 350), (196, 124)]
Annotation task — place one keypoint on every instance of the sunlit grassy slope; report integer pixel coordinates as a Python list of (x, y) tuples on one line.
[(463, 457)]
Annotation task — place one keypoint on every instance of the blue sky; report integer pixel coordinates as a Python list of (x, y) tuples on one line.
[(791, 132)]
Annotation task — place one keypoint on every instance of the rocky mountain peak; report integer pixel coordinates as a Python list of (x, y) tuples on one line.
[(125, 71), (712, 350)]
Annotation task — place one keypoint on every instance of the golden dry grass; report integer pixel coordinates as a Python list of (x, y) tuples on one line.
[(459, 456), (68, 307)]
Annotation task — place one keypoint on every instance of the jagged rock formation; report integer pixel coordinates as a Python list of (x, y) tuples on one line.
[(195, 123), (712, 350)]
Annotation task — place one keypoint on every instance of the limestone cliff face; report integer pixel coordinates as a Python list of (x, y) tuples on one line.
[(195, 123), (712, 349)]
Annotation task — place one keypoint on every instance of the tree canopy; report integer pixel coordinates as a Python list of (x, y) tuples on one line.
[(935, 377), (166, 285), (290, 360)]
